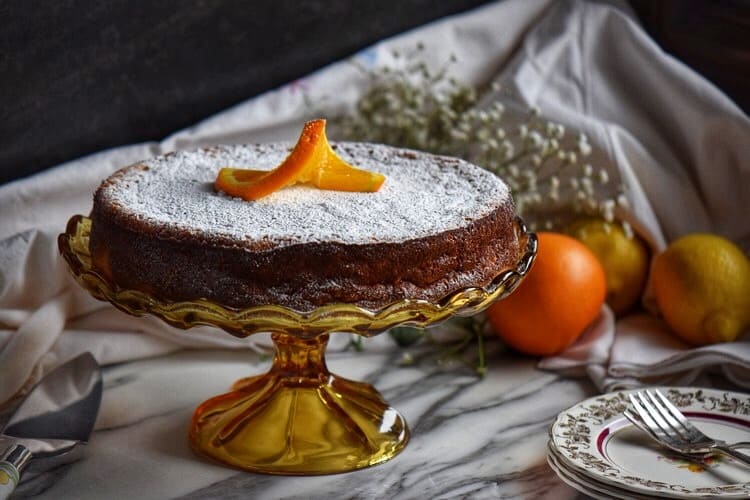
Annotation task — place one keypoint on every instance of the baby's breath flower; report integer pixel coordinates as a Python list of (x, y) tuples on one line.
[(407, 359), (627, 229), (458, 135), (551, 129), (584, 147), (608, 210), (414, 105), (509, 149), (536, 140), (603, 176)]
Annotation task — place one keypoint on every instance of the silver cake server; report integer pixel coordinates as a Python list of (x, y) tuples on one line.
[(55, 416)]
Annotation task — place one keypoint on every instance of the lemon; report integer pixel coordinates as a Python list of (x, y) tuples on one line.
[(702, 287), (624, 258)]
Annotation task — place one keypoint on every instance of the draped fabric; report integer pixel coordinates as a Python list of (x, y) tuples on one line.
[(676, 142)]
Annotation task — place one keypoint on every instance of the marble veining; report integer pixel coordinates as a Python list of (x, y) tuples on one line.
[(471, 437)]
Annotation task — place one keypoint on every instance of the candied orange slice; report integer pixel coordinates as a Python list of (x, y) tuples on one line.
[(312, 161)]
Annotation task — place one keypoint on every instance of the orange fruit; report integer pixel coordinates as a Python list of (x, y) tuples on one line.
[(558, 299), (312, 161)]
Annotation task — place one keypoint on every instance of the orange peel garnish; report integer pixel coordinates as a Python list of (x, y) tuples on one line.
[(312, 161)]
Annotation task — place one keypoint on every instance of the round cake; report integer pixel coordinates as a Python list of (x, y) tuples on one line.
[(437, 224)]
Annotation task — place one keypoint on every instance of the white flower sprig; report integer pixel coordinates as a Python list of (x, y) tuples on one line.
[(543, 163)]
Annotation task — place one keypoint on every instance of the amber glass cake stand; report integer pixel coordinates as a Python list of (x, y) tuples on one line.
[(298, 418)]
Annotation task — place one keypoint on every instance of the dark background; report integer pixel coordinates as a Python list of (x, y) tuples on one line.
[(80, 76)]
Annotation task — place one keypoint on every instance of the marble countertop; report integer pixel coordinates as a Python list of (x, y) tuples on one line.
[(472, 437)]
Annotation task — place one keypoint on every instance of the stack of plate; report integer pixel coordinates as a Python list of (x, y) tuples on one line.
[(596, 450)]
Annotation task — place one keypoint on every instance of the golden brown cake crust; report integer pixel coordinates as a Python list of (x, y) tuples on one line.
[(176, 262)]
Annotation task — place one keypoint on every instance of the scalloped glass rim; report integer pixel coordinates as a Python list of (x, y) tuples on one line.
[(339, 317)]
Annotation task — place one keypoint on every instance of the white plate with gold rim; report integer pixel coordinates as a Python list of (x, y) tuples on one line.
[(593, 438)]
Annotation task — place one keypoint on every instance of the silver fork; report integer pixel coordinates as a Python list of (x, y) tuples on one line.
[(670, 427), (697, 458), (636, 420)]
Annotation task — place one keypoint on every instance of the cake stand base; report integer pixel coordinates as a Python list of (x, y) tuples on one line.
[(298, 419)]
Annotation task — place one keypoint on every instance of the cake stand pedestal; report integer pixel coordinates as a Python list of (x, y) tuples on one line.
[(297, 419)]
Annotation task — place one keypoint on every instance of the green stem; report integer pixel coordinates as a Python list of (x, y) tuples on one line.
[(458, 347), (356, 342), (482, 367), (524, 152)]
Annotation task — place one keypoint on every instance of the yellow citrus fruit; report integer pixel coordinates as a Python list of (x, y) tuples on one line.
[(702, 287), (625, 259)]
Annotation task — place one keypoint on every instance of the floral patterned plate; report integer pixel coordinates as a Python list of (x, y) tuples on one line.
[(584, 484), (594, 440)]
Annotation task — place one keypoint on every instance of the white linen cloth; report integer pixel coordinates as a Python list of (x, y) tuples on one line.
[(677, 142), (679, 145)]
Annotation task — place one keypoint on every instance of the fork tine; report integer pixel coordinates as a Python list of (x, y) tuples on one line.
[(693, 431), (668, 417), (653, 413), (637, 421), (646, 418)]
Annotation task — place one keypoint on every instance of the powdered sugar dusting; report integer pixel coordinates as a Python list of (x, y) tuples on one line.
[(422, 195)]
